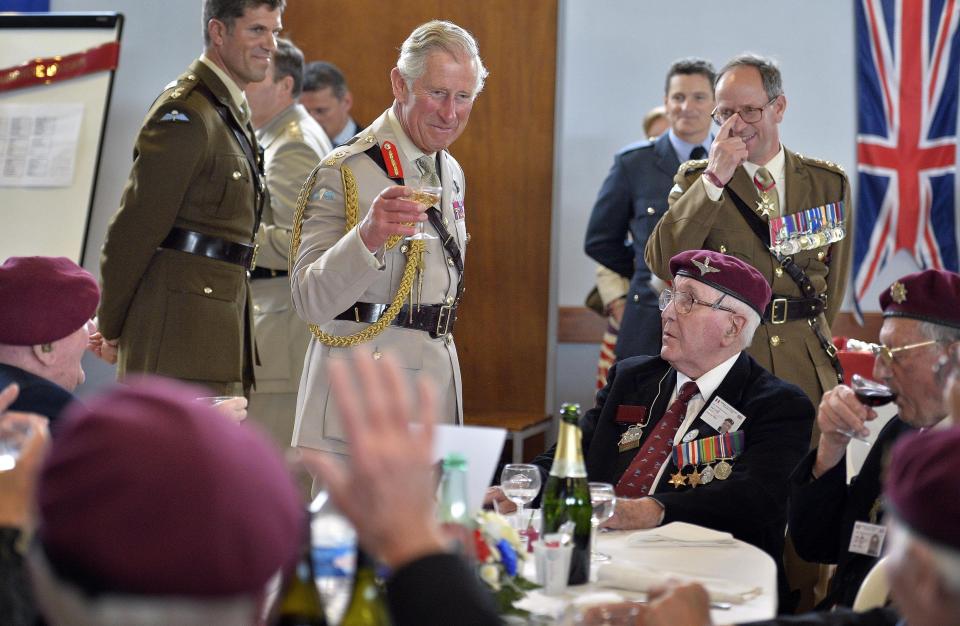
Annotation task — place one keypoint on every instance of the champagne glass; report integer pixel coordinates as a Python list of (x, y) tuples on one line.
[(869, 393), (427, 192), (604, 500), (520, 482)]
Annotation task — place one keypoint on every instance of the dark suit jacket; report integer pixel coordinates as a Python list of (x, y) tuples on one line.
[(182, 315), (439, 589), (752, 503), (631, 200), (824, 511), (840, 617), (37, 395)]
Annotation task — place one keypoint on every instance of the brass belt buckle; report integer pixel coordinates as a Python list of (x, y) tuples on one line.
[(444, 319), (782, 317)]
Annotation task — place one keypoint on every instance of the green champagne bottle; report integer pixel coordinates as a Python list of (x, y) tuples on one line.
[(367, 605), (299, 602), (567, 494), (453, 511)]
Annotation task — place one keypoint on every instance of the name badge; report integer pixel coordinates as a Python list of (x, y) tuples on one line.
[(867, 538), (722, 417)]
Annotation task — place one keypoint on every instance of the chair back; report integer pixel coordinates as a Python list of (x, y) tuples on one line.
[(875, 589)]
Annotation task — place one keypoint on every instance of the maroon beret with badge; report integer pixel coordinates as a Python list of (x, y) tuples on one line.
[(725, 273), (921, 484), (44, 299), (147, 491), (928, 296)]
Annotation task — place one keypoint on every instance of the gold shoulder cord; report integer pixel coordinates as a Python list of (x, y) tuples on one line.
[(351, 199)]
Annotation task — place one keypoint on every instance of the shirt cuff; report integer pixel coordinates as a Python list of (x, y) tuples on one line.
[(374, 259), (713, 192)]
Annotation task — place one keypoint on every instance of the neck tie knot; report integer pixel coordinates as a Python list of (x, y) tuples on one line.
[(687, 391), (698, 152)]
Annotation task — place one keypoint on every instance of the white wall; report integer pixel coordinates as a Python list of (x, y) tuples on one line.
[(612, 60)]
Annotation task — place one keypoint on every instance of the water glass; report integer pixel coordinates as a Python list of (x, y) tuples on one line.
[(604, 500), (520, 482)]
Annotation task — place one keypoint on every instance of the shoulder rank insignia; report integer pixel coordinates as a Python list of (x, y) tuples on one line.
[(174, 116), (350, 148), (828, 165)]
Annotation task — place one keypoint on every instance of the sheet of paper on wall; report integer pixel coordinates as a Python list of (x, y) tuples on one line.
[(481, 446), (38, 144)]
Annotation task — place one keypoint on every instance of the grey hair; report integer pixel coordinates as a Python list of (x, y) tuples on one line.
[(939, 332), (438, 35), (753, 320), (768, 68)]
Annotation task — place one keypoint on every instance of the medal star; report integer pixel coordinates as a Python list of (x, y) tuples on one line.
[(693, 478), (765, 207), (704, 267), (678, 480)]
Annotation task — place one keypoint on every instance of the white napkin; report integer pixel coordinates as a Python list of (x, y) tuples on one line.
[(635, 577), (680, 534), (538, 603)]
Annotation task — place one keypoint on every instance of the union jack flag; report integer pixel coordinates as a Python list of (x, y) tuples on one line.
[(907, 75)]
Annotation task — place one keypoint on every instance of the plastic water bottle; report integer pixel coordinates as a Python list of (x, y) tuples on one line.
[(334, 555)]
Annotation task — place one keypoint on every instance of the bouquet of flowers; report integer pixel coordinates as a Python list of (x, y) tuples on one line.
[(500, 555)]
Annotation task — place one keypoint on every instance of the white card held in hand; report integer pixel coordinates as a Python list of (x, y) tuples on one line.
[(722, 417)]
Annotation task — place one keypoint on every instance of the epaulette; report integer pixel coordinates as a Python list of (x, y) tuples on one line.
[(636, 145), (690, 167), (294, 131), (827, 165), (182, 87), (357, 145)]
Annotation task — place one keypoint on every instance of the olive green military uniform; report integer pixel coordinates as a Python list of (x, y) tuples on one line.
[(178, 314), (789, 350), (293, 144)]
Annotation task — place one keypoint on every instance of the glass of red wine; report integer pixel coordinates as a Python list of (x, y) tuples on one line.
[(869, 393)]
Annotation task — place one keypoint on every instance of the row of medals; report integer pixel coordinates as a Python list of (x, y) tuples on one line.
[(721, 470), (809, 241)]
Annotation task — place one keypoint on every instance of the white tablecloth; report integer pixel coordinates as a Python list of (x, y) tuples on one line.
[(739, 564)]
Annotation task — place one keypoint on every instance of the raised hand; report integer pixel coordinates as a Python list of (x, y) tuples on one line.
[(391, 213)]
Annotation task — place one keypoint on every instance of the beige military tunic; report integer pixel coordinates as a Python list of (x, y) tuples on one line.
[(293, 144), (333, 270), (790, 351)]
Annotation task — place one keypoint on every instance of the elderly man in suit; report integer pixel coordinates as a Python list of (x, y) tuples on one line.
[(634, 197), (293, 144), (357, 278), (657, 430), (751, 195), (175, 259)]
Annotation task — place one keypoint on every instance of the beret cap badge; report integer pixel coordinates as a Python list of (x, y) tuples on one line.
[(898, 292), (704, 266)]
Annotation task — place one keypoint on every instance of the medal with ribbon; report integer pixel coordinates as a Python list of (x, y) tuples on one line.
[(808, 229), (712, 452)]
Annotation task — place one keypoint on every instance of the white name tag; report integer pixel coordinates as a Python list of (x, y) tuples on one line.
[(867, 538), (722, 417)]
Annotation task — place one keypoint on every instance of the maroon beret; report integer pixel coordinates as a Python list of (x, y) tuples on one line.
[(929, 296), (44, 299), (148, 492), (725, 273), (921, 484)]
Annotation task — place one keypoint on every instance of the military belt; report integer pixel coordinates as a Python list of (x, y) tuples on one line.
[(265, 272), (435, 319), (783, 309), (201, 244)]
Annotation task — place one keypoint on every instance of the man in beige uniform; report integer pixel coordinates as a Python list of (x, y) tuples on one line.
[(174, 263), (351, 253), (727, 202), (293, 144), (703, 213)]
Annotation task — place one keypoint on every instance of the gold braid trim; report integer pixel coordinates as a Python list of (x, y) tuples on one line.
[(351, 198)]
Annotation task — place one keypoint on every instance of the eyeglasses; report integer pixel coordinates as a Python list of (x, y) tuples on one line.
[(750, 115), (889, 355), (684, 302)]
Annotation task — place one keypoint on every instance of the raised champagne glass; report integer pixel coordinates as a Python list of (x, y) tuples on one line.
[(427, 192)]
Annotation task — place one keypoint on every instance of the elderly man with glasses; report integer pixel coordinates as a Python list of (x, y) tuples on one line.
[(656, 430), (829, 519), (785, 214)]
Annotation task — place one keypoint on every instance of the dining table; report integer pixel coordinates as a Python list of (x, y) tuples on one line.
[(740, 578)]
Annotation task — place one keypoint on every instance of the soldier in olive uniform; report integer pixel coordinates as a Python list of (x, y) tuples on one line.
[(293, 144), (703, 214), (175, 260), (352, 254)]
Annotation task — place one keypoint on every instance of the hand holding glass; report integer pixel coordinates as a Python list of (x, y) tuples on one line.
[(869, 393), (604, 500), (427, 192), (520, 482)]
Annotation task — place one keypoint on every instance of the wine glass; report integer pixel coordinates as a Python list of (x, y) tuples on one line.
[(604, 500), (869, 393), (520, 482), (14, 434), (427, 192)]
